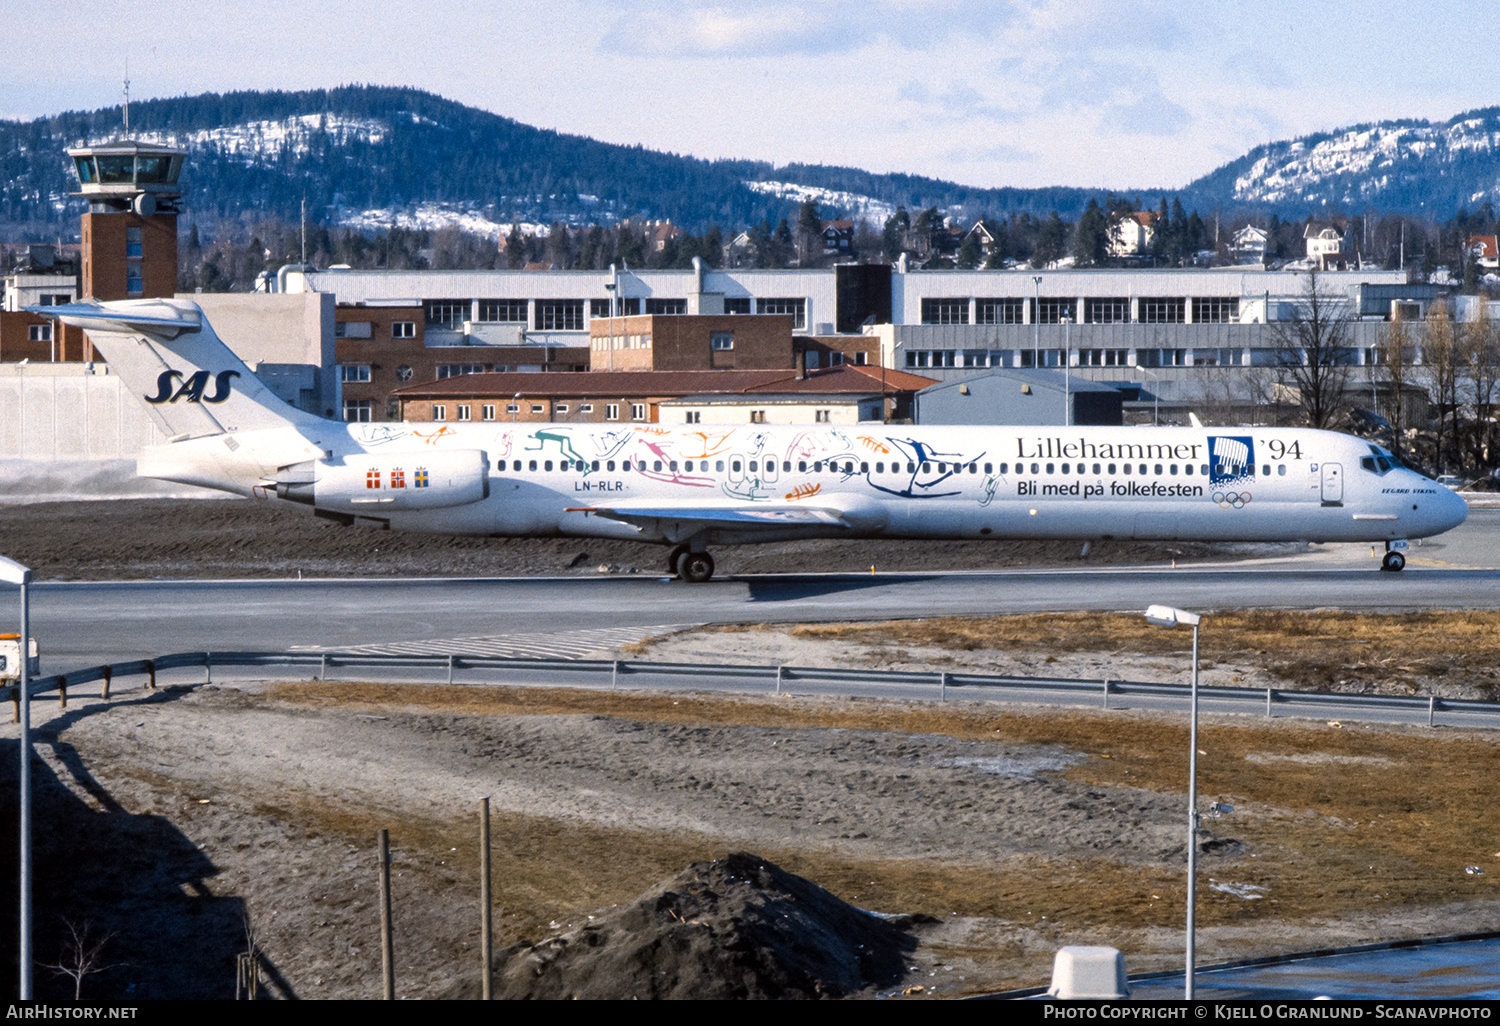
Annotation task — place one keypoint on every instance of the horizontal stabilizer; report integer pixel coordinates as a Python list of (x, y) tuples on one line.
[(148, 318)]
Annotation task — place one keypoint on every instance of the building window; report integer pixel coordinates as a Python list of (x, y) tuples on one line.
[(721, 340), (796, 307), (757, 416), (463, 411), (39, 332), (503, 311), (454, 370), (354, 373), (822, 416), (512, 408), (56, 298), (403, 329), (693, 417), (1052, 311), (1161, 357), (586, 408), (611, 411), (351, 329), (637, 411), (133, 281), (559, 315), (448, 313), (358, 410), (487, 411), (1106, 311), (403, 373), (945, 311), (439, 412), (859, 359), (1000, 311), (737, 304), (133, 243), (1216, 310), (1162, 311), (538, 408), (666, 307)]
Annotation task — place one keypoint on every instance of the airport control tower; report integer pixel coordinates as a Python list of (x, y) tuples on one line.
[(130, 230)]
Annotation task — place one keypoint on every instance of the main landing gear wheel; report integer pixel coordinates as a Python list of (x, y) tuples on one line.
[(675, 557), (1393, 562), (695, 567)]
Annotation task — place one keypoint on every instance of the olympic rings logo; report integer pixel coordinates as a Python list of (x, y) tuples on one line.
[(1232, 500)]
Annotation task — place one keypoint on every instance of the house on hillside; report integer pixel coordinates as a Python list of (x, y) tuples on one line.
[(1483, 251), (838, 238), (1249, 245), (1325, 246), (1132, 234)]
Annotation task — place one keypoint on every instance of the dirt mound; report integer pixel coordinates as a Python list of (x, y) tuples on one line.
[(737, 927)]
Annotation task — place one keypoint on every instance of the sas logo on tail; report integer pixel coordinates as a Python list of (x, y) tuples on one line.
[(191, 387)]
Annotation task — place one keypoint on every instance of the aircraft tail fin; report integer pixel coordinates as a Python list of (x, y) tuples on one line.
[(168, 355)]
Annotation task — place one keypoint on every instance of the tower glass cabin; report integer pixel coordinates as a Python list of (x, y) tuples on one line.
[(130, 230)]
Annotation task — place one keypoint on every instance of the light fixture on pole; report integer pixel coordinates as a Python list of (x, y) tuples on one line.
[(12, 572), (1067, 372), (1036, 323), (1166, 616)]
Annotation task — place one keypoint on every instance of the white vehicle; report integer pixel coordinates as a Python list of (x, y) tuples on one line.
[(694, 486), (1452, 481)]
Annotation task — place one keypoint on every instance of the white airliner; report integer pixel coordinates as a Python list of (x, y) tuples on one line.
[(693, 486)]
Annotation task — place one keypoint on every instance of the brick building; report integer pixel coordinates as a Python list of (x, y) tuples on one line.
[(687, 342)]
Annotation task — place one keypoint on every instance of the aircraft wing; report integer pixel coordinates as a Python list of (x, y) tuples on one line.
[(741, 516)]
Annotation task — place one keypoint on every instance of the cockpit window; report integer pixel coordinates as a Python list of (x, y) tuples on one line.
[(1378, 465)]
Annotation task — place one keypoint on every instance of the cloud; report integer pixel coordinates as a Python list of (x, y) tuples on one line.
[(1152, 114), (779, 28), (959, 101), (998, 153)]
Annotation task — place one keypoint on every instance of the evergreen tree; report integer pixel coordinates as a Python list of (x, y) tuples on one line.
[(809, 234), (1091, 238), (783, 249), (970, 253), (893, 237)]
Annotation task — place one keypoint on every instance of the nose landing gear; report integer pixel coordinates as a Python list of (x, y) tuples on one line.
[(1394, 559)]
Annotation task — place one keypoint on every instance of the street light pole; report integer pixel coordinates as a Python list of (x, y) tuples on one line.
[(14, 573), (1166, 616), (1036, 323), (1067, 373)]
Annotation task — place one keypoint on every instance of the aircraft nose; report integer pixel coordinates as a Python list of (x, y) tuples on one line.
[(1448, 511)]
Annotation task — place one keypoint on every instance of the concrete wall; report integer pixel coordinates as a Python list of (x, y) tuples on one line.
[(70, 411)]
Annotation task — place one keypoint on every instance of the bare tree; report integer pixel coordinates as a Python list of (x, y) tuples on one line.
[(82, 955), (1396, 353), (1440, 356), (1479, 361), (1312, 352)]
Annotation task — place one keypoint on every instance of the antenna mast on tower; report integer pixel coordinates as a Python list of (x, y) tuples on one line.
[(127, 97)]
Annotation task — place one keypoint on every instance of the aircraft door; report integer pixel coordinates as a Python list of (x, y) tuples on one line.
[(1333, 484)]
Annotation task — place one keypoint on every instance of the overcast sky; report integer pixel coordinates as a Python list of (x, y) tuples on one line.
[(1124, 94)]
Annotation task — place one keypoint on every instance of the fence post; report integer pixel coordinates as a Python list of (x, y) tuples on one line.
[(778, 678), (1268, 703), (943, 686), (614, 674), (1106, 692), (1431, 708), (151, 674), (450, 667), (208, 667), (108, 672), (323, 668), (486, 926), (62, 691), (387, 954)]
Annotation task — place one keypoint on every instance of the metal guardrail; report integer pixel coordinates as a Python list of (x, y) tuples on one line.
[(988, 687)]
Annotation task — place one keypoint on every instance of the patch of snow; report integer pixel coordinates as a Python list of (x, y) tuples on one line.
[(852, 205), (432, 216)]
